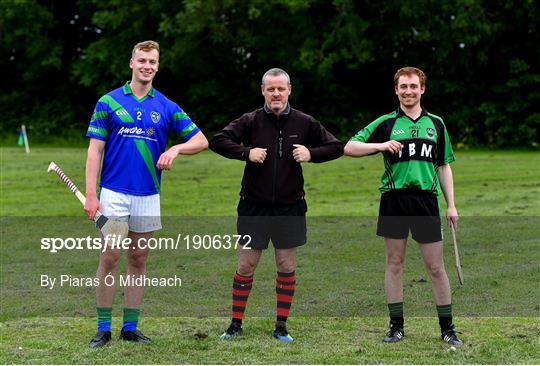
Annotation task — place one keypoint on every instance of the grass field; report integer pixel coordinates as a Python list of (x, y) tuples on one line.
[(339, 311)]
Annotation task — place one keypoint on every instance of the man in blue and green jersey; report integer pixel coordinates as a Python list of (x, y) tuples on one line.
[(128, 130), (417, 156)]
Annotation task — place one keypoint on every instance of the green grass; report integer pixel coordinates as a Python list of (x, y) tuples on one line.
[(319, 341), (497, 183), (339, 310)]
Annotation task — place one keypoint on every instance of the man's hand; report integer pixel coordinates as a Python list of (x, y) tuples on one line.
[(391, 146), (166, 159), (301, 153), (452, 217), (257, 155), (91, 206)]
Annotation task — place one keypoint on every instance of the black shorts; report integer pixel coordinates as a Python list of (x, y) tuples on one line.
[(285, 225), (414, 210)]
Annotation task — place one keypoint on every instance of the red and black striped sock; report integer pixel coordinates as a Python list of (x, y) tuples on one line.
[(240, 293), (285, 286)]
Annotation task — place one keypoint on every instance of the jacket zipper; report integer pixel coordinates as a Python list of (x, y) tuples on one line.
[(279, 155)]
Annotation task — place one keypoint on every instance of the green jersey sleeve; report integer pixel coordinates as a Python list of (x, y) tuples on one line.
[(448, 151), (375, 131)]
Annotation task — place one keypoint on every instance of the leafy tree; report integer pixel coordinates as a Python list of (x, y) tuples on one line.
[(481, 58)]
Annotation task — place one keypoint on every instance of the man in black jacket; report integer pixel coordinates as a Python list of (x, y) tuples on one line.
[(274, 141)]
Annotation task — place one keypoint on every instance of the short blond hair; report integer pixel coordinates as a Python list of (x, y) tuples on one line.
[(145, 46), (408, 70), (276, 72)]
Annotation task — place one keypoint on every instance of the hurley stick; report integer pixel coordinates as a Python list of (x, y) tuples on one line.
[(456, 253), (103, 223)]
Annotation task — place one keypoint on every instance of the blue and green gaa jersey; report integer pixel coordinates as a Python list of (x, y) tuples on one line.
[(135, 132), (426, 146)]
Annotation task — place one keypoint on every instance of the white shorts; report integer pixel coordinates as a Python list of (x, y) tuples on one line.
[(141, 212)]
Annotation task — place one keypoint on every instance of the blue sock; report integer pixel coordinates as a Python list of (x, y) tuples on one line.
[(131, 318), (104, 326), (129, 326)]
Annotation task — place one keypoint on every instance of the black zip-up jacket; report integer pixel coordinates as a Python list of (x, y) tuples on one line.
[(279, 179)]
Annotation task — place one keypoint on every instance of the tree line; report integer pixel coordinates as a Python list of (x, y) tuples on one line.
[(481, 58)]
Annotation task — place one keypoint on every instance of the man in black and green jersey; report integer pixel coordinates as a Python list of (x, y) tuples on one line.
[(417, 156)]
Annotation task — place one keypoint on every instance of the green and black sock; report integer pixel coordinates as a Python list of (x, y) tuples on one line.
[(444, 312), (395, 310)]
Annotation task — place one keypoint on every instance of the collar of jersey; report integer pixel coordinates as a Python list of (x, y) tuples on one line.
[(400, 113), (127, 91), (286, 111)]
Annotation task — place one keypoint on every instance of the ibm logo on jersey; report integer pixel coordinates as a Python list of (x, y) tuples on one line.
[(155, 116), (425, 152)]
